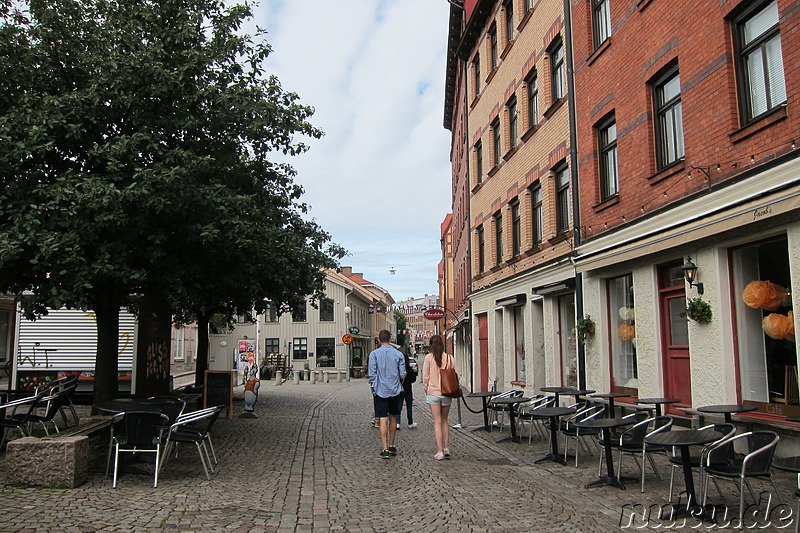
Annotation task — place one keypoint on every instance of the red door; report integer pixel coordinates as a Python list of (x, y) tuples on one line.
[(483, 352), (675, 340)]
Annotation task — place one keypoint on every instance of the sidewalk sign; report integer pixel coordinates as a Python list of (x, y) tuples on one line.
[(218, 389)]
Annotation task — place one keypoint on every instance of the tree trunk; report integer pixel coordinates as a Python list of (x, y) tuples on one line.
[(106, 367), (153, 346), (201, 360)]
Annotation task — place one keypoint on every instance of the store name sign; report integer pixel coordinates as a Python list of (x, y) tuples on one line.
[(434, 314)]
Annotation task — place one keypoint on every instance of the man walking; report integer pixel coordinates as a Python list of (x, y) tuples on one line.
[(387, 370)]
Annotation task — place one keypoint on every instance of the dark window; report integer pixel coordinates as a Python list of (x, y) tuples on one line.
[(479, 161), (558, 76), (325, 352), (562, 199), (532, 83), (669, 119), (270, 313), (760, 59), (272, 346), (601, 21), (509, 9), (512, 122), (299, 313), (326, 310), (607, 140), (493, 46), (498, 237), (496, 141), (481, 250), (476, 69), (537, 215), (516, 228), (300, 348)]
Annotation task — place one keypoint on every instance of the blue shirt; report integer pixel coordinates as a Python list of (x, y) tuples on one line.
[(387, 367)]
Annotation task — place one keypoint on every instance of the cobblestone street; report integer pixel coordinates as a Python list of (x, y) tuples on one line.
[(309, 462)]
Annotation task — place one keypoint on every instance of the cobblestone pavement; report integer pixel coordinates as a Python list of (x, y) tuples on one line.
[(309, 462)]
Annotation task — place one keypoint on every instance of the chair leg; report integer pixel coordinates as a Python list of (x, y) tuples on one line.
[(202, 460), (741, 503), (116, 465), (211, 445), (653, 464), (158, 460), (672, 480)]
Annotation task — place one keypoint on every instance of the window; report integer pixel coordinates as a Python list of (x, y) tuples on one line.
[(325, 353), (562, 199), (498, 237), (669, 119), (558, 75), (179, 343), (299, 313), (567, 341), (272, 346), (496, 141), (532, 84), (536, 214), (493, 47), (607, 140), (326, 310), (479, 161), (299, 348), (270, 312), (625, 374), (516, 228), (509, 9), (760, 60), (476, 70), (601, 21), (512, 122), (528, 5), (481, 250)]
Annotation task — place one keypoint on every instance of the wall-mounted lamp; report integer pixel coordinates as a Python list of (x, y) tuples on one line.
[(690, 273), (223, 344), (347, 309)]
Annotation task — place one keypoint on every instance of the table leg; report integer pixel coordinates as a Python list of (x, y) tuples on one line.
[(610, 478), (485, 403), (512, 414), (553, 455), (691, 507), (611, 411), (658, 409)]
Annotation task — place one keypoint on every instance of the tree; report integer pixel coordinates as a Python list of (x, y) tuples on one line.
[(400, 318), (135, 156)]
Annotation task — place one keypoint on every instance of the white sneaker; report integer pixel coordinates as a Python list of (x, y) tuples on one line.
[(412, 426), (398, 426)]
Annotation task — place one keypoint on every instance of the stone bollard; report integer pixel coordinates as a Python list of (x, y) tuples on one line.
[(327, 377), (338, 376), (296, 378), (313, 377), (279, 377), (347, 376)]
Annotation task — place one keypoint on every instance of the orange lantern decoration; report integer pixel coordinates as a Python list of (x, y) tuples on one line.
[(779, 326), (764, 294), (626, 332)]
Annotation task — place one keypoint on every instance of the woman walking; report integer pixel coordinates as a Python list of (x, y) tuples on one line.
[(432, 385)]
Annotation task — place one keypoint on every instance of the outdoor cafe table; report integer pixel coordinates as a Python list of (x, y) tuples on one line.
[(658, 402), (484, 396), (683, 439), (727, 410), (511, 402), (610, 413), (557, 391), (124, 405), (606, 424), (552, 413)]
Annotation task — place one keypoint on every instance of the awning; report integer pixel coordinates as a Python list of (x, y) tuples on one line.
[(517, 299)]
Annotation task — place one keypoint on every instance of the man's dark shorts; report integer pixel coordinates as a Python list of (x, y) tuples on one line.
[(388, 406)]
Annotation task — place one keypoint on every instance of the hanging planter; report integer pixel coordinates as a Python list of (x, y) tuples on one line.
[(698, 310), (583, 328)]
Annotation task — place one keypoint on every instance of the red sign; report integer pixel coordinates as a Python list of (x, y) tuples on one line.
[(434, 314), (347, 339)]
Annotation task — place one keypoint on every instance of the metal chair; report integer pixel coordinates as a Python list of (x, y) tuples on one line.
[(632, 442), (526, 410), (756, 463), (636, 417), (57, 398), (10, 420), (720, 455), (499, 411), (138, 432), (194, 428), (571, 431)]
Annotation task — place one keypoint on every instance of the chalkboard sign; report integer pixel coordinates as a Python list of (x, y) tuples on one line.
[(218, 389)]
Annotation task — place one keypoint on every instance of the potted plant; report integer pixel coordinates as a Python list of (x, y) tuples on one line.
[(698, 310), (584, 327)]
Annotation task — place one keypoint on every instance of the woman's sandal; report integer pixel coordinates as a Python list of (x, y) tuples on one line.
[(447, 454), (439, 456)]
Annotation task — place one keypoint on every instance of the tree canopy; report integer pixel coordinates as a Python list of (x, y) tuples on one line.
[(137, 147)]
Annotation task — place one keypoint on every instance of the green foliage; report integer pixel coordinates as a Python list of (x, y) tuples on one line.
[(584, 327), (400, 318), (698, 310), (136, 148)]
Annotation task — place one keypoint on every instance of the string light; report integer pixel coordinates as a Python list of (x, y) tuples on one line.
[(752, 159), (719, 168)]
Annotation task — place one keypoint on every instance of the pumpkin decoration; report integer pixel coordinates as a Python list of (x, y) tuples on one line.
[(779, 326), (626, 332), (764, 294)]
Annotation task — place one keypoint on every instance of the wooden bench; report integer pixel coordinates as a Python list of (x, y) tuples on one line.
[(59, 460)]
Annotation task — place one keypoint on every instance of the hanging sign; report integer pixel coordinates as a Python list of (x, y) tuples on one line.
[(434, 314)]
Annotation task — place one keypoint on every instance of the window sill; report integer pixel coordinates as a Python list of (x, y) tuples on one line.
[(477, 187), (533, 251), (475, 101), (555, 106), (774, 116), (493, 170), (674, 168), (507, 49), (510, 153), (598, 51), (605, 204), (491, 75), (559, 238), (642, 4), (528, 134), (525, 19), (496, 268)]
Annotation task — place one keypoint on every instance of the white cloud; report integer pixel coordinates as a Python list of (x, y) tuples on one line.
[(379, 181)]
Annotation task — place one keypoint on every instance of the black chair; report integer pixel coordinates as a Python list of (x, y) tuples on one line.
[(632, 442), (10, 419), (194, 428), (756, 463), (138, 432), (720, 456), (56, 399), (499, 411), (635, 418), (526, 412), (571, 431), (173, 406)]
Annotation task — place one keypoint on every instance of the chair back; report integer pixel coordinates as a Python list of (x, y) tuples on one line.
[(722, 454), (142, 429), (173, 406), (760, 451)]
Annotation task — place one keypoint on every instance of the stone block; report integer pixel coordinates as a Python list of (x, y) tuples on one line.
[(60, 462)]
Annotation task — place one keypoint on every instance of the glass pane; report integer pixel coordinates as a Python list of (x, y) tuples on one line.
[(622, 320), (761, 22), (569, 348), (777, 85), (678, 323), (756, 83)]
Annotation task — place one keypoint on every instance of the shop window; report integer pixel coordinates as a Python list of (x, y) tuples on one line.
[(299, 348), (622, 332), (272, 346), (765, 325), (567, 340), (325, 353)]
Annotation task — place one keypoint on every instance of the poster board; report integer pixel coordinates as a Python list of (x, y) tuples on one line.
[(218, 389)]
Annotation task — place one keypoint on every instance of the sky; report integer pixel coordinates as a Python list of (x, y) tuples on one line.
[(379, 179)]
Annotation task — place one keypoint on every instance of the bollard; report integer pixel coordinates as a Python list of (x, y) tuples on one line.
[(313, 377), (338, 376), (347, 376), (278, 377), (296, 377), (327, 377)]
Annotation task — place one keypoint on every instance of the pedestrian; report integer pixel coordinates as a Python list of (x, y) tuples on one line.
[(386, 372), (408, 394), (440, 405)]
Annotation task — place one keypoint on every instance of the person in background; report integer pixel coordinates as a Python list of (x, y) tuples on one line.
[(440, 405), (408, 394), (387, 370)]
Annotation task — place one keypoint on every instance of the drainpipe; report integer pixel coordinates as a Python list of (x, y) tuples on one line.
[(573, 163)]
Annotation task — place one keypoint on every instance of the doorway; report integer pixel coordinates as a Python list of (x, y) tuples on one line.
[(674, 336)]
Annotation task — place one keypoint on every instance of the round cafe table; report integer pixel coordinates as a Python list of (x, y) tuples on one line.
[(727, 410), (511, 402), (552, 413), (557, 391), (658, 402), (606, 424), (484, 396), (610, 413)]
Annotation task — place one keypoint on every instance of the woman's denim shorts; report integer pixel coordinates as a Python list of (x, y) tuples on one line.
[(443, 400)]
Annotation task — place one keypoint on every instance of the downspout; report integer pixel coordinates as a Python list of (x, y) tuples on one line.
[(573, 163)]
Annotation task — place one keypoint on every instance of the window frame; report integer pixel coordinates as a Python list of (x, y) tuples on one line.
[(607, 149), (513, 129), (558, 79), (297, 344), (481, 248), (562, 197), (532, 80), (270, 313), (326, 306), (272, 341), (476, 67), (508, 10), (498, 237), (497, 144), (494, 54), (516, 227), (479, 161), (537, 214), (601, 20), (304, 309), (668, 113)]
